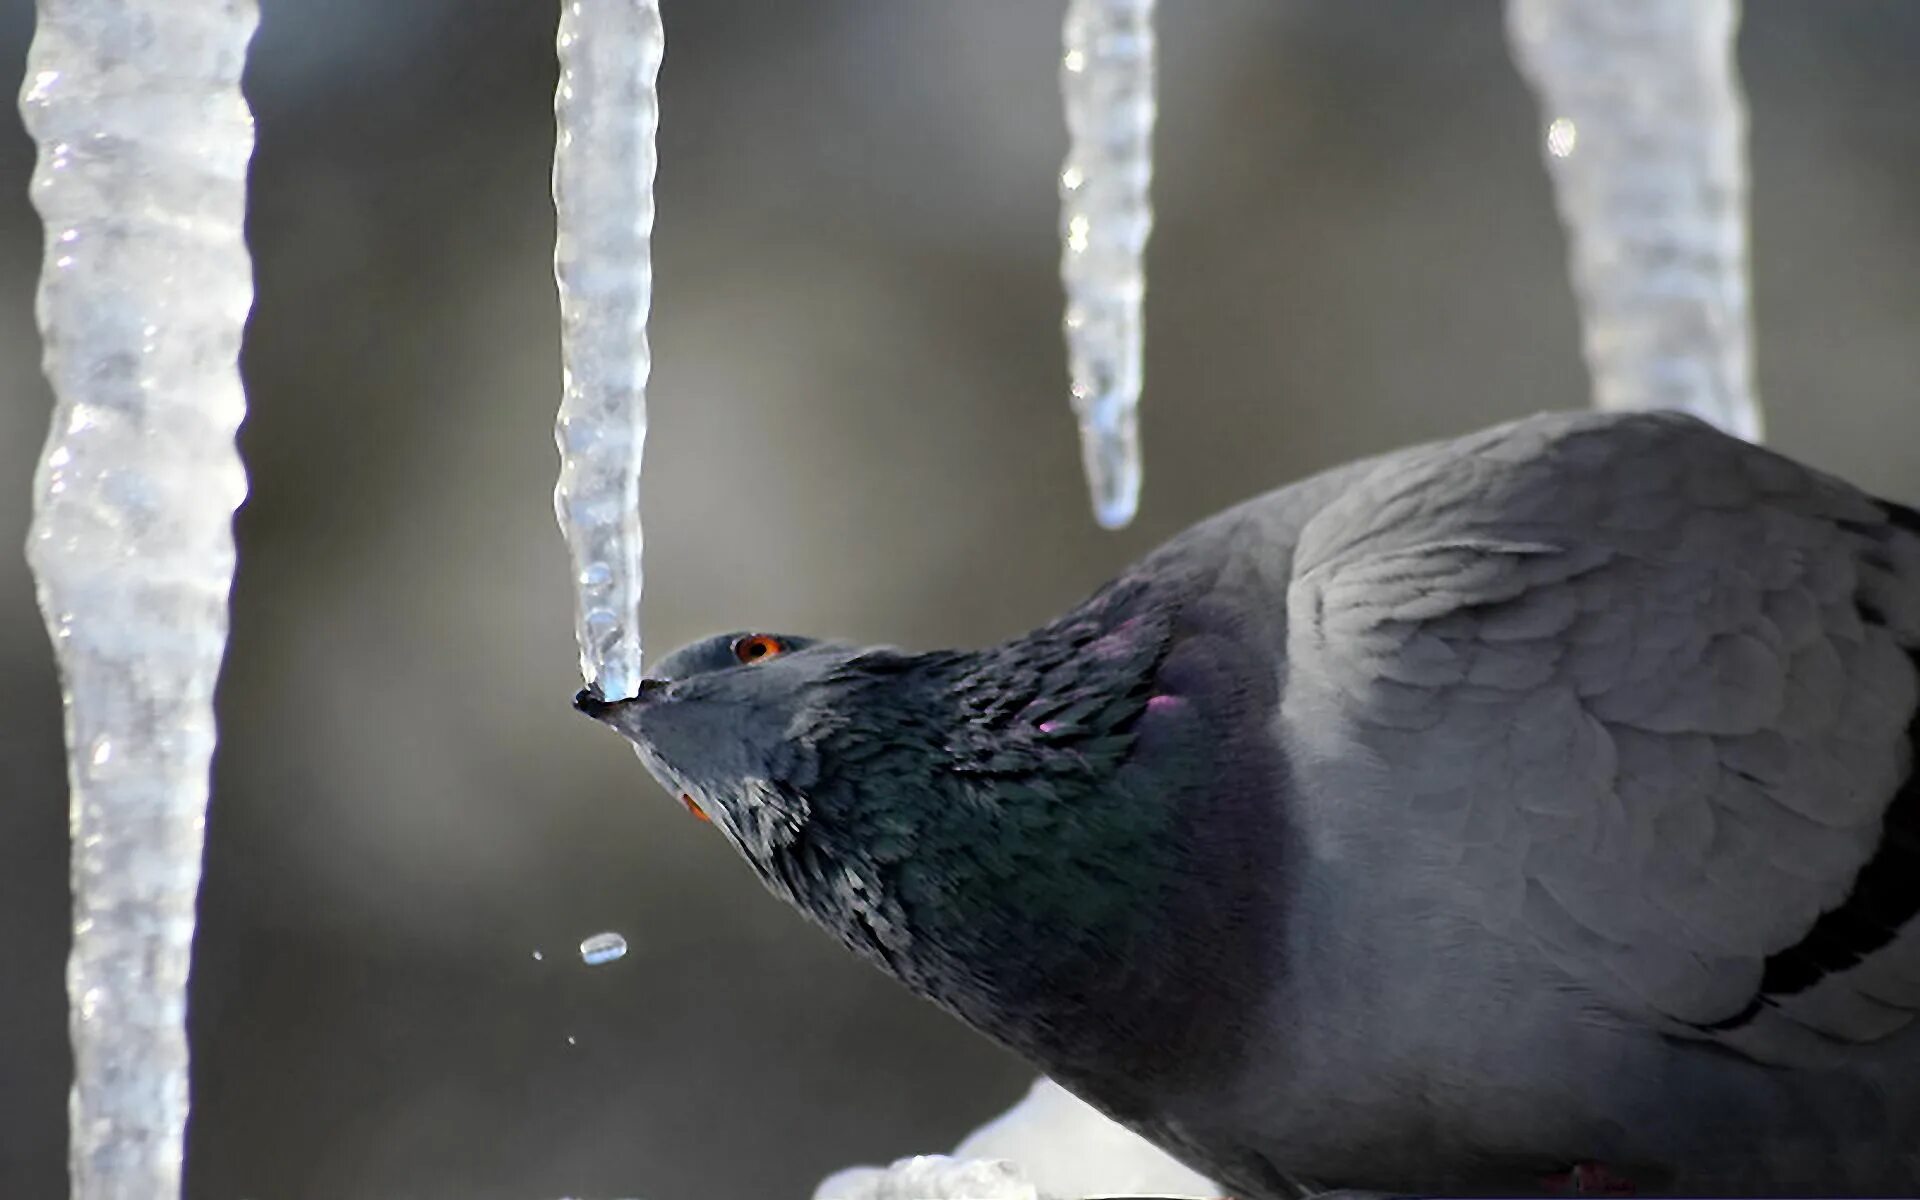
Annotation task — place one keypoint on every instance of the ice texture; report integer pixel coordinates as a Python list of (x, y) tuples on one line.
[(1107, 84), (1645, 138), (143, 140), (606, 111)]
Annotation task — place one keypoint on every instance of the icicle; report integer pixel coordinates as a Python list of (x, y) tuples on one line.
[(1106, 81), (606, 111), (1646, 142), (143, 141)]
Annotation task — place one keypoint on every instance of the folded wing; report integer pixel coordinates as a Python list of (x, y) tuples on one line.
[(1642, 696)]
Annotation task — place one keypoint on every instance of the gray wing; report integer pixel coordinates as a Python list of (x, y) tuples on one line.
[(1640, 695)]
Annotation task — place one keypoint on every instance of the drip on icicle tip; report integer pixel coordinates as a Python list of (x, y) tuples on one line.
[(1110, 452)]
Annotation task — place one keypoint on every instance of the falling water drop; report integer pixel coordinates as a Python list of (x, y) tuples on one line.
[(603, 948)]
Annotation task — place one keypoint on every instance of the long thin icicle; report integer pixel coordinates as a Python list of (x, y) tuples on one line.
[(1646, 142), (144, 140), (606, 111), (1106, 81)]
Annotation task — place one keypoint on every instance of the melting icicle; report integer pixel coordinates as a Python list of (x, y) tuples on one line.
[(1645, 140), (1106, 81), (603, 948), (143, 142), (606, 112)]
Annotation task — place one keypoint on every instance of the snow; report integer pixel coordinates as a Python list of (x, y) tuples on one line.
[(1049, 1146), (930, 1177)]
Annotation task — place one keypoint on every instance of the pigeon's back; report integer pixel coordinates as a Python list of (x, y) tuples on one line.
[(1604, 843)]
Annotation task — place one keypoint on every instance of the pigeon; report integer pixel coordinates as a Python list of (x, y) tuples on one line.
[(1532, 810)]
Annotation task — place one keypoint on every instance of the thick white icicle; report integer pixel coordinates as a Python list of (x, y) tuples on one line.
[(143, 141), (1646, 143), (1106, 81), (606, 111)]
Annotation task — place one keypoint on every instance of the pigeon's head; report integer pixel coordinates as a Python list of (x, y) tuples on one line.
[(1024, 833), (722, 724), (822, 760)]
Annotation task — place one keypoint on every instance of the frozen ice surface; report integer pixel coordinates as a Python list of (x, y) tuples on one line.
[(1050, 1143), (1645, 137), (930, 1177), (143, 140), (1107, 85), (606, 111), (603, 948)]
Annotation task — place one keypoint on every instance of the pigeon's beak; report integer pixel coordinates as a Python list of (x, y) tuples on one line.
[(591, 702)]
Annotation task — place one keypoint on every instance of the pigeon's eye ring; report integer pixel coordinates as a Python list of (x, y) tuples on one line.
[(756, 647)]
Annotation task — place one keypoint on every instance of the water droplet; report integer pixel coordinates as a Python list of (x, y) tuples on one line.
[(603, 948)]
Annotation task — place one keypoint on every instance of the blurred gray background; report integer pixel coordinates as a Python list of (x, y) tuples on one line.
[(860, 428)]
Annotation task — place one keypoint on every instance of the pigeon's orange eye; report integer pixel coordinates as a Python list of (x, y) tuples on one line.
[(756, 646)]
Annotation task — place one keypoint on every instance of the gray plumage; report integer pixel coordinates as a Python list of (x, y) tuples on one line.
[(1436, 824)]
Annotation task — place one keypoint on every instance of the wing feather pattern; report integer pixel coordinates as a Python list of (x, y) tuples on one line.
[(1644, 696)]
